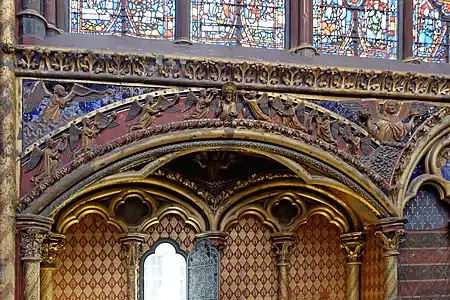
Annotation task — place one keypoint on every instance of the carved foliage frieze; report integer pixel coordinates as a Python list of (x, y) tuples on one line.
[(268, 75)]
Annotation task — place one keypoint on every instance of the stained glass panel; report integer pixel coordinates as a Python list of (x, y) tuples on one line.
[(431, 30), (142, 18), (251, 23), (366, 28)]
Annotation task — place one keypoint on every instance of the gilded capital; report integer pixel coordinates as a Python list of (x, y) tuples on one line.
[(391, 241), (282, 243), (33, 230), (131, 244), (50, 249), (352, 245)]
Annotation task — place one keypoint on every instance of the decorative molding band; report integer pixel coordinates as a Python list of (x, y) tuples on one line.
[(212, 71)]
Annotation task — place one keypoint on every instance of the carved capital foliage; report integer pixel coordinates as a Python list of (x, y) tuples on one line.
[(391, 241), (131, 244), (31, 243), (282, 243), (33, 230), (352, 244), (50, 249)]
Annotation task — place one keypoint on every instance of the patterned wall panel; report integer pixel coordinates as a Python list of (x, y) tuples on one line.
[(317, 265), (173, 227), (91, 265), (372, 269), (424, 261), (426, 211), (248, 269)]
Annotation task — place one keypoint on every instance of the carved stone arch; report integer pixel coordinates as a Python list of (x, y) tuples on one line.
[(362, 186), (251, 210), (422, 145), (441, 185)]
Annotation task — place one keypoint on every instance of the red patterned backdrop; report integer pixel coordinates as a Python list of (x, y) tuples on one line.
[(248, 269), (91, 265), (372, 269), (317, 265)]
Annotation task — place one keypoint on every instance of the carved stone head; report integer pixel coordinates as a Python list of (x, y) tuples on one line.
[(391, 107), (60, 90)]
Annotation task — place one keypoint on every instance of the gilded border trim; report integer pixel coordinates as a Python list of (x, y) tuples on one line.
[(211, 71)]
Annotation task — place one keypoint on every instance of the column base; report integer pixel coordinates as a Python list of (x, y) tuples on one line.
[(304, 50)]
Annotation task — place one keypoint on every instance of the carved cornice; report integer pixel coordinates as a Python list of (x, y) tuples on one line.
[(84, 64), (82, 159)]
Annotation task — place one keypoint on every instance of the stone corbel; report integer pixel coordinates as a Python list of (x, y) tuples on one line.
[(132, 247), (352, 245), (391, 234), (282, 243)]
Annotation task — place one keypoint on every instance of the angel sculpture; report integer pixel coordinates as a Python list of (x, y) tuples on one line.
[(388, 125), (351, 138), (323, 125), (202, 104), (149, 111), (49, 157), (59, 99), (90, 129), (227, 109), (288, 113), (260, 108)]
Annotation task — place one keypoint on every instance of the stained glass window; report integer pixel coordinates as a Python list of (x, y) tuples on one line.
[(142, 18), (251, 23), (366, 28), (431, 30)]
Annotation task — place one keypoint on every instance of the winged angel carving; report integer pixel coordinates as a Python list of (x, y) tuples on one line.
[(49, 158), (384, 121), (59, 99), (149, 111), (82, 139)]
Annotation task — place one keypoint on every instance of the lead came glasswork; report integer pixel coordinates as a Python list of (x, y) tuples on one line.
[(140, 18), (430, 30), (250, 23), (366, 28)]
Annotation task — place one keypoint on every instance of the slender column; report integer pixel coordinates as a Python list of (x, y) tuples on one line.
[(391, 235), (305, 28), (8, 150), (217, 238), (407, 33), (352, 244), (50, 250), (282, 243), (293, 18), (132, 246), (33, 229), (183, 24)]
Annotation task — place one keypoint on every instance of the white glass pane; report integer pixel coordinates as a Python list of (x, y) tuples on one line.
[(165, 274)]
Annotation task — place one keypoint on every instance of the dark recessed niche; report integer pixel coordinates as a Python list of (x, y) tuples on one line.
[(285, 211), (132, 210)]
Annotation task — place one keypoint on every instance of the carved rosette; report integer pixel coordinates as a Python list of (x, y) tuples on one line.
[(282, 243), (217, 238), (50, 250)]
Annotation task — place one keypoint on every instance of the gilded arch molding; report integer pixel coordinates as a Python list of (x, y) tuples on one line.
[(365, 189)]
